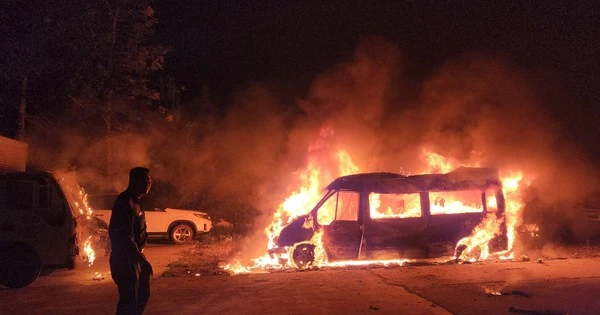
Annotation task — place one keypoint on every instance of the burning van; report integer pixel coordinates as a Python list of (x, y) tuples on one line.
[(389, 216)]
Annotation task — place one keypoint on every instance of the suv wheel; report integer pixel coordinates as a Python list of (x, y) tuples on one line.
[(20, 265), (181, 234)]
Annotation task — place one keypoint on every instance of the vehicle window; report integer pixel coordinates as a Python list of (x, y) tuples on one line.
[(446, 202), (384, 206), (19, 195), (50, 205), (342, 206), (347, 209)]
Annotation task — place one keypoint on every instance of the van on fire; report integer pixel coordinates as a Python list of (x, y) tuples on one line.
[(389, 216)]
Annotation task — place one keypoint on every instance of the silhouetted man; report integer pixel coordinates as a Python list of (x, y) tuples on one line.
[(127, 230)]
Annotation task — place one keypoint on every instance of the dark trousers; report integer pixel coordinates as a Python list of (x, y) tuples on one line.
[(133, 280)]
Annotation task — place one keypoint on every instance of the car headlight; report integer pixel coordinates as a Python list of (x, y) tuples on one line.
[(202, 215)]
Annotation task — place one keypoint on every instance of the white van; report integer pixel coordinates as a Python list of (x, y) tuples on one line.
[(44, 220)]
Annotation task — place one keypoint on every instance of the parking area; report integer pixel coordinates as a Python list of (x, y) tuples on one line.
[(556, 286)]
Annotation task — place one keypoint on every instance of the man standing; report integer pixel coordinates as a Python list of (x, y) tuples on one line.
[(127, 230)]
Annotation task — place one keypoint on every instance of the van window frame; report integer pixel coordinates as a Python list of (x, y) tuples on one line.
[(330, 193)]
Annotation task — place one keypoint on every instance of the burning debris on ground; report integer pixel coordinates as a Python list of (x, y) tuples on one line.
[(98, 276), (495, 290), (208, 259)]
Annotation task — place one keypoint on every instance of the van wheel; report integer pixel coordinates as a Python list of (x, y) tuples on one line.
[(20, 265), (473, 254), (304, 255), (181, 234)]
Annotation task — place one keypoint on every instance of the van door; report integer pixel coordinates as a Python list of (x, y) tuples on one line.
[(396, 226), (338, 216), (454, 214)]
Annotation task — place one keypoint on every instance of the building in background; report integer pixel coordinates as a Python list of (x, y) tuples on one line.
[(13, 155)]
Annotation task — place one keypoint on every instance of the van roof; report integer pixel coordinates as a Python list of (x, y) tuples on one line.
[(462, 178)]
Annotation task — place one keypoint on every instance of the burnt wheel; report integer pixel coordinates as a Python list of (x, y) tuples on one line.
[(304, 255), (181, 234), (474, 253), (20, 265)]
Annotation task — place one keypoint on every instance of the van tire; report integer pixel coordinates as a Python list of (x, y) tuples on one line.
[(20, 265), (303, 255)]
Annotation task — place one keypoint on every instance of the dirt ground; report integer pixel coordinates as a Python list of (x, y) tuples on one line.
[(205, 258), (553, 280)]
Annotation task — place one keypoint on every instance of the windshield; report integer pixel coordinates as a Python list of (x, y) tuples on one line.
[(74, 193)]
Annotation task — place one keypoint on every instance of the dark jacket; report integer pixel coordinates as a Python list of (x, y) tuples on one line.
[(127, 228)]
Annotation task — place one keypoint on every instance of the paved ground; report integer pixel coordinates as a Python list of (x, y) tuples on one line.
[(559, 286)]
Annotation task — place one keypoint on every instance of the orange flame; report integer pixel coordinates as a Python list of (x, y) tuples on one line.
[(514, 205), (89, 251)]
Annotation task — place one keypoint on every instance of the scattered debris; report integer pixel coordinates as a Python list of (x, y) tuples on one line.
[(98, 276), (374, 308), (495, 290), (492, 290), (525, 258), (521, 293), (540, 260)]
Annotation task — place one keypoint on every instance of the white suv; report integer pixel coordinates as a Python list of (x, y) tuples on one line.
[(180, 225)]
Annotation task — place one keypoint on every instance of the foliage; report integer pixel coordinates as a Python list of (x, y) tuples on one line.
[(97, 97), (86, 53), (119, 54)]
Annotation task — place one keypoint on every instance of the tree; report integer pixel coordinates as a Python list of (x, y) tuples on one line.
[(119, 60), (30, 34)]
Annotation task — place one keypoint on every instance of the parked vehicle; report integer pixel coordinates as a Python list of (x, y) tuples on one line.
[(44, 223), (386, 215), (180, 225)]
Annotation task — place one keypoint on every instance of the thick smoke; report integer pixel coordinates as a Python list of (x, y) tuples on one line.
[(478, 110)]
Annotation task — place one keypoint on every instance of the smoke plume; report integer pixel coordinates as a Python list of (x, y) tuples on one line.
[(240, 163)]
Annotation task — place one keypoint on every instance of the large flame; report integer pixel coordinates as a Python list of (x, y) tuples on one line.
[(317, 174)]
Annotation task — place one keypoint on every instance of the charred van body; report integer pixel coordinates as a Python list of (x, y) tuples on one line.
[(386, 215)]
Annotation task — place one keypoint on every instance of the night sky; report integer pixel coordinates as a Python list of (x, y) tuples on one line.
[(225, 45)]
